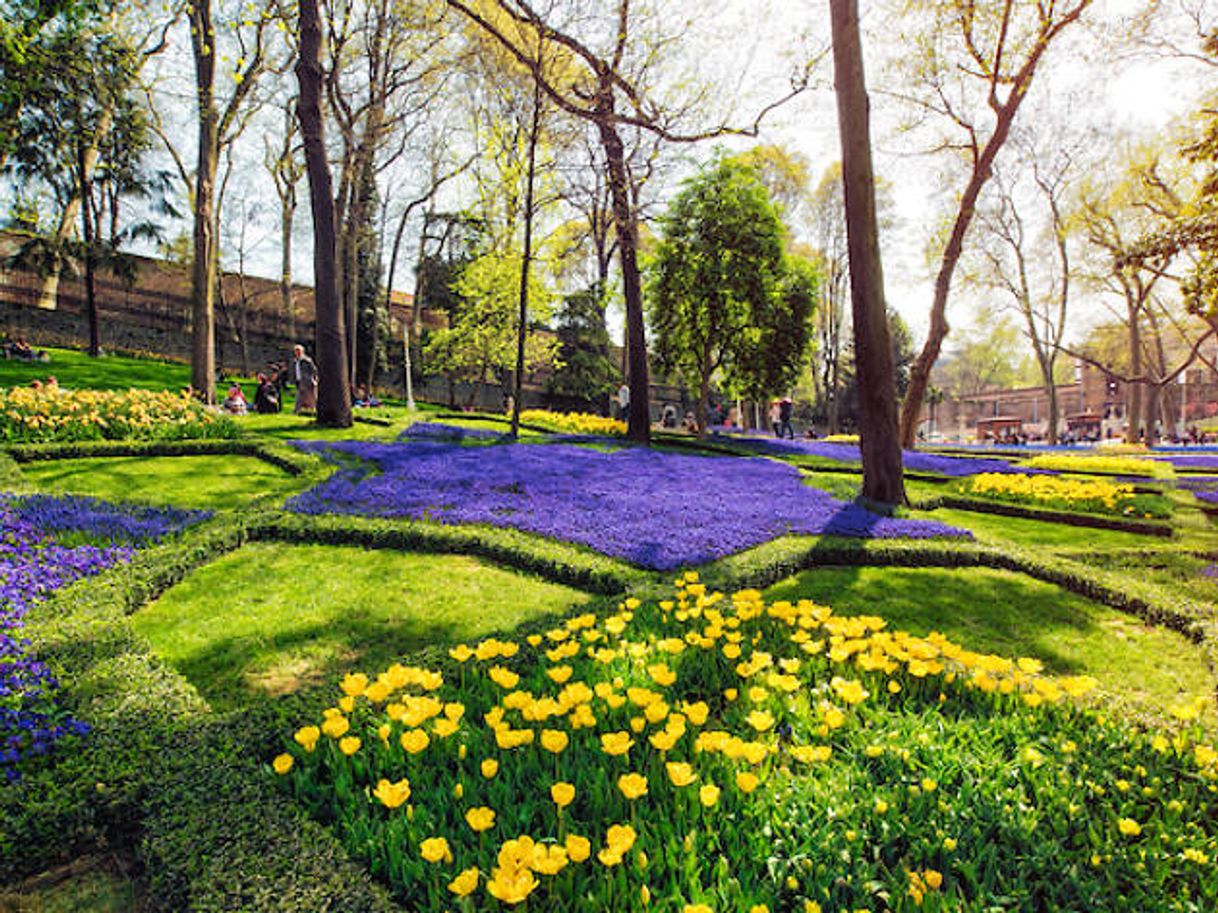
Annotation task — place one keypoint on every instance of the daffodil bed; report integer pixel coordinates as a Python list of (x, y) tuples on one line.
[(654, 509), (1100, 464), (575, 422), (710, 753), (1091, 495)]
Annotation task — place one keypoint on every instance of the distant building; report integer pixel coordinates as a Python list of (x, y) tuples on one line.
[(1095, 405), (153, 315)]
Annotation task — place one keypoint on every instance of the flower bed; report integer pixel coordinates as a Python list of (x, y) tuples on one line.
[(48, 413), (32, 565), (575, 422), (915, 460), (707, 753), (656, 510), (1089, 495), (1102, 465)]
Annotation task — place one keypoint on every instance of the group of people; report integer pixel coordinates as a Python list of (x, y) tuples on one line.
[(301, 373), (21, 350), (781, 411)]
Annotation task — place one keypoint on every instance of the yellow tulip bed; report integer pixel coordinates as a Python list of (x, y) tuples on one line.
[(840, 439), (714, 753), (1107, 465), (49, 414), (1090, 495), (575, 422)]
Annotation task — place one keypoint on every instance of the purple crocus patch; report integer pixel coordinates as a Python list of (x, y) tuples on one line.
[(654, 509)]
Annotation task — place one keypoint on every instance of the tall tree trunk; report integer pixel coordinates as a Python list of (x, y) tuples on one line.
[(1054, 413), (626, 224), (88, 232), (202, 274), (526, 259), (333, 393), (1133, 411), (883, 481), (1153, 396), (288, 212)]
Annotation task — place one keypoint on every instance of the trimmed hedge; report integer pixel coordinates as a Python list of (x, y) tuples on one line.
[(276, 453), (1028, 512)]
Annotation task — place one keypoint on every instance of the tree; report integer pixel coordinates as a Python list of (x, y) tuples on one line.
[(282, 162), (591, 79), (222, 113), (717, 292), (1033, 268), (585, 370), (84, 138), (985, 357), (333, 393), (481, 342), (975, 65), (1116, 208), (883, 478)]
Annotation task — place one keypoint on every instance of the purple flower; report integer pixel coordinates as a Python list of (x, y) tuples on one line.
[(33, 565), (659, 510), (913, 459)]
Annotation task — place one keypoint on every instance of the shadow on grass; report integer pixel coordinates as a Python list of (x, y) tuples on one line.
[(233, 672)]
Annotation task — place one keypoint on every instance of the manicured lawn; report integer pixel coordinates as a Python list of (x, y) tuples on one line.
[(77, 371), (270, 618), (288, 426), (211, 482), (1035, 533), (1144, 669)]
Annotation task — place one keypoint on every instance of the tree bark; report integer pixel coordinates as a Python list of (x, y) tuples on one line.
[(88, 231), (883, 480), (202, 274), (526, 258), (288, 212), (333, 393), (626, 223)]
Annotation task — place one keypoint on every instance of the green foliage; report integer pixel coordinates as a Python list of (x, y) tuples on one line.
[(482, 339), (586, 370), (722, 295)]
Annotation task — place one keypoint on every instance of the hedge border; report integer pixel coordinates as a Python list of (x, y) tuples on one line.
[(276, 453), (1048, 515)]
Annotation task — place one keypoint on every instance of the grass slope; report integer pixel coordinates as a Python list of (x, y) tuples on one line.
[(270, 618), (77, 371), (212, 482), (1143, 669)]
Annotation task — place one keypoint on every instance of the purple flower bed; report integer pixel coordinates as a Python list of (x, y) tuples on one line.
[(657, 510), (1190, 461), (438, 431), (32, 565), (915, 460)]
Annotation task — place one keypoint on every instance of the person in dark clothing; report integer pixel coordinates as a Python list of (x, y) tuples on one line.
[(266, 398), (785, 409)]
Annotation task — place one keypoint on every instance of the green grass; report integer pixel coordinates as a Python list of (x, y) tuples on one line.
[(1034, 533), (212, 482), (1142, 670), (77, 371), (271, 618)]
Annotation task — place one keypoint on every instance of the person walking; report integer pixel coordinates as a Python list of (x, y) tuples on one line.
[(786, 409), (776, 418), (623, 402), (304, 376)]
